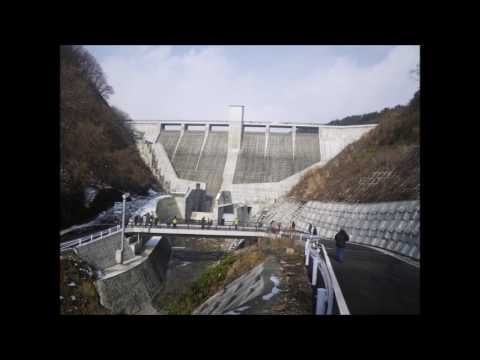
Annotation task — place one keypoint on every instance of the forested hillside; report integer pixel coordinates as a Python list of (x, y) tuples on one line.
[(369, 118), (383, 165), (97, 147)]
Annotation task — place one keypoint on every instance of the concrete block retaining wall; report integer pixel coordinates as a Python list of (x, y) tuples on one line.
[(101, 253), (394, 226), (132, 290)]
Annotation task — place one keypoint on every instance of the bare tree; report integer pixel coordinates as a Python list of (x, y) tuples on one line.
[(89, 66), (121, 114)]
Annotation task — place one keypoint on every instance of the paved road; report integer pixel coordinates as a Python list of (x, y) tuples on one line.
[(376, 283)]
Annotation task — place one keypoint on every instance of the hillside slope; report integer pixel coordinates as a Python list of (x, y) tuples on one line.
[(97, 147), (383, 165)]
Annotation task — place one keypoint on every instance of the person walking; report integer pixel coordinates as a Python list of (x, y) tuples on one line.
[(292, 230), (309, 228), (174, 221), (315, 233), (203, 222), (340, 243), (235, 222)]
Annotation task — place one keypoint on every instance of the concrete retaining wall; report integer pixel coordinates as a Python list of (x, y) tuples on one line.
[(101, 253), (394, 226), (167, 208), (132, 290), (243, 291)]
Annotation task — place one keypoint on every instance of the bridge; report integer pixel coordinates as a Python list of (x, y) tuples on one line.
[(227, 231)]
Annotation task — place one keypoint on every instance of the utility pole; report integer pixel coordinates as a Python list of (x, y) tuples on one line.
[(120, 254)]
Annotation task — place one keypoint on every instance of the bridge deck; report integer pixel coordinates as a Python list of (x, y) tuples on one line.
[(196, 230), (375, 283)]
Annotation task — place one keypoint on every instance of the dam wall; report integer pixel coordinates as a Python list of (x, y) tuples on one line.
[(257, 162), (393, 226)]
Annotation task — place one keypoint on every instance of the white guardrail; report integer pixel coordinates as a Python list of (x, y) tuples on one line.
[(90, 238), (331, 293)]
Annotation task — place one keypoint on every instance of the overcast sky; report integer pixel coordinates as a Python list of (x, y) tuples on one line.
[(275, 83)]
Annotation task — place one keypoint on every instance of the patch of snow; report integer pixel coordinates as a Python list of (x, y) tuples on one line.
[(237, 311), (75, 227), (138, 204), (153, 241), (185, 263), (150, 206), (90, 194), (72, 284), (73, 298), (61, 297), (152, 192), (275, 290)]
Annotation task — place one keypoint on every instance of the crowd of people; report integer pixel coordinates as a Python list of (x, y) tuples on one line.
[(150, 219)]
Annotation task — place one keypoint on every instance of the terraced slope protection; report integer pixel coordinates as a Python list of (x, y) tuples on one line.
[(394, 226)]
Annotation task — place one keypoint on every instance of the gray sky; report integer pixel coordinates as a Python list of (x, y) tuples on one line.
[(275, 83)]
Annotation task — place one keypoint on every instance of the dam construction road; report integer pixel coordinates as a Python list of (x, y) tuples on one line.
[(376, 283)]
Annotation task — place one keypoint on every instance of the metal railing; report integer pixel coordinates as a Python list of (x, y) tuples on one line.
[(330, 294), (254, 227), (90, 238)]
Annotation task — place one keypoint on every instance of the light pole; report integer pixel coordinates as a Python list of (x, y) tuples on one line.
[(124, 196)]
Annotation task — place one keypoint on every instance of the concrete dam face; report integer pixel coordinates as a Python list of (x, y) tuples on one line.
[(243, 161)]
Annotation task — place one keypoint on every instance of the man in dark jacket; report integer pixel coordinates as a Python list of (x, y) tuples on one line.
[(340, 239), (315, 233), (309, 228)]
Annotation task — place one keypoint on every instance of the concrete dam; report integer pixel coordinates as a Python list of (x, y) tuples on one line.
[(225, 165)]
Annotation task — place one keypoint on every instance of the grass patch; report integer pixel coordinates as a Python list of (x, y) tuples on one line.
[(202, 288), (230, 267)]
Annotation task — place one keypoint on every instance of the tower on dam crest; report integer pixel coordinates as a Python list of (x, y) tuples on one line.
[(236, 113)]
